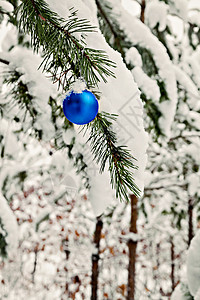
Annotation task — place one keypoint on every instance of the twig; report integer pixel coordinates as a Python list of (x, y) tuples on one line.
[(183, 137), (35, 263), (4, 61), (115, 33), (143, 6), (163, 187)]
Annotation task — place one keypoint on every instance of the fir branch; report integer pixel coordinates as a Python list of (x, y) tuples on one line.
[(61, 48), (104, 147)]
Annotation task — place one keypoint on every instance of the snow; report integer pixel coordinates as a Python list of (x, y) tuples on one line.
[(188, 85), (78, 86), (197, 296), (131, 236), (194, 61), (133, 57), (147, 85), (10, 224), (193, 184), (139, 34), (7, 6), (180, 8), (100, 193), (156, 13), (68, 135), (39, 86), (193, 264), (178, 294), (8, 37), (194, 18), (132, 7)]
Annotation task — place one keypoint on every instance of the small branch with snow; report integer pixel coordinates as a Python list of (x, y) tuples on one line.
[(4, 61), (131, 236), (10, 224)]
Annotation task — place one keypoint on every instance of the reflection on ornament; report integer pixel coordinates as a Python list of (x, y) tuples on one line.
[(80, 108)]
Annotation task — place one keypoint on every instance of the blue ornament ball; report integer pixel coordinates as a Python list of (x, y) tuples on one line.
[(80, 108)]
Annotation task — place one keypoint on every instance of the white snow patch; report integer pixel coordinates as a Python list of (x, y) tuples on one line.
[(186, 83), (148, 85), (193, 264), (139, 34), (178, 294), (156, 13), (6, 6), (133, 57), (10, 224), (180, 8)]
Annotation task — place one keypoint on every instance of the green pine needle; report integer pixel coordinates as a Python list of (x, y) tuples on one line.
[(103, 141), (62, 50)]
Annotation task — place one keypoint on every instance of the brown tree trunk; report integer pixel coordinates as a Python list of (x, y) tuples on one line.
[(132, 245), (95, 259), (143, 6), (190, 220), (65, 246), (172, 266), (35, 262)]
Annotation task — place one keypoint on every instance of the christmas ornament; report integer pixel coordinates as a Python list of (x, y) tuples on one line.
[(80, 107)]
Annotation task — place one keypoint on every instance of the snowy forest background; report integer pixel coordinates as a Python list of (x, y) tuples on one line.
[(48, 216)]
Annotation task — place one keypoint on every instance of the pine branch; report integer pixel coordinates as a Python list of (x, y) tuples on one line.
[(25, 100), (115, 31), (117, 39), (114, 35), (61, 48), (63, 51), (20, 93), (104, 147), (184, 137)]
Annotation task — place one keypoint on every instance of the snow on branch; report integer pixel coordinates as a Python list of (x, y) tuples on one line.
[(139, 34), (10, 225), (193, 265)]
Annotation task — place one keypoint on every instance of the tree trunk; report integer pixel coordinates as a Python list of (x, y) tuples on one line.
[(132, 245), (65, 245), (190, 220), (172, 266), (143, 6), (95, 259)]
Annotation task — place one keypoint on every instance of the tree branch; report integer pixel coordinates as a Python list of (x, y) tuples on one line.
[(115, 33), (3, 61), (164, 187), (67, 33), (143, 6), (183, 137)]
